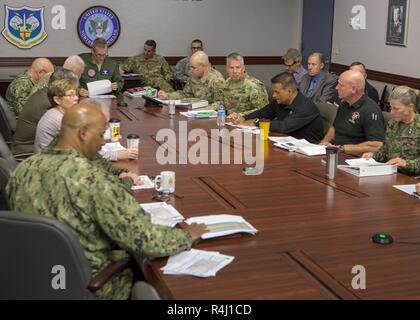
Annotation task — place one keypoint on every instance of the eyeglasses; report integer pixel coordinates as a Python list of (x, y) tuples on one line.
[(289, 65), (71, 95)]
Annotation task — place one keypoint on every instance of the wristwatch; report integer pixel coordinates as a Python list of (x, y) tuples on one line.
[(341, 148)]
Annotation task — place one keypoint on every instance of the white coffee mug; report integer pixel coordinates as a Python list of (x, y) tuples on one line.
[(165, 182)]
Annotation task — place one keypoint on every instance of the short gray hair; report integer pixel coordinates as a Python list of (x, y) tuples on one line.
[(235, 56), (405, 95), (73, 61), (293, 54), (61, 73)]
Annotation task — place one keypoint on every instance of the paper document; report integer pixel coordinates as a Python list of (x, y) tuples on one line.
[(197, 263), (112, 146), (202, 114), (409, 189), (162, 213), (222, 225), (362, 162), (251, 129), (301, 146), (367, 168), (282, 139), (99, 87), (147, 184), (103, 96)]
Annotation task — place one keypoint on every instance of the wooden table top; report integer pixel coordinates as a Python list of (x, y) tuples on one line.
[(311, 231)]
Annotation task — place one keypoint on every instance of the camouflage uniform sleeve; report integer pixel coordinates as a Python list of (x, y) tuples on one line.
[(116, 77), (124, 222), (112, 169), (382, 155), (258, 97), (127, 65), (180, 70), (17, 94), (412, 167), (166, 70), (217, 87), (181, 94)]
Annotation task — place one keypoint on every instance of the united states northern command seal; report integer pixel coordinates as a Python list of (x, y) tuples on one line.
[(98, 22)]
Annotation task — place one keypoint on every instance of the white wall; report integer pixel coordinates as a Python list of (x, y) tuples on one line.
[(369, 45), (250, 27)]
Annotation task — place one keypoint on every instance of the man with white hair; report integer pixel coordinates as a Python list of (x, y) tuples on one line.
[(205, 83), (359, 124), (243, 93), (19, 90), (73, 63)]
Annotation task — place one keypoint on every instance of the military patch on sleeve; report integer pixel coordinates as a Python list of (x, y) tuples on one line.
[(91, 73)]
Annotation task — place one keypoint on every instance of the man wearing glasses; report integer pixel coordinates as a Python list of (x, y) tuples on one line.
[(293, 62), (182, 69), (99, 67)]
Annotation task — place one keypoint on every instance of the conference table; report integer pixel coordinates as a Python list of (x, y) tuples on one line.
[(313, 234)]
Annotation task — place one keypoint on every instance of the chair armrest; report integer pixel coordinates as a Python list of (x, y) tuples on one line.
[(102, 277), (22, 156)]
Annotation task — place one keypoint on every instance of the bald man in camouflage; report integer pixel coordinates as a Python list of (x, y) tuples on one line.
[(93, 203), (205, 83), (19, 90), (243, 93)]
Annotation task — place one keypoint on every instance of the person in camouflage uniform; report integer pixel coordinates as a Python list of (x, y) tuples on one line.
[(73, 63), (99, 67), (182, 70), (206, 83), (402, 138), (243, 93), (92, 202), (154, 70), (19, 90)]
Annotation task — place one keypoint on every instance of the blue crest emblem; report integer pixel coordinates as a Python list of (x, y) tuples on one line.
[(98, 22), (24, 27)]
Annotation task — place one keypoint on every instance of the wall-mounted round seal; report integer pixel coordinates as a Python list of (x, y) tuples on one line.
[(98, 22)]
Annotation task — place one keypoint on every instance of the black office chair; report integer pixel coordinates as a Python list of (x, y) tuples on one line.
[(32, 245), (387, 117), (5, 173), (5, 124), (10, 116), (6, 154), (328, 113)]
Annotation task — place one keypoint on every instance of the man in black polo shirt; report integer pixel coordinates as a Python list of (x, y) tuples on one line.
[(359, 125), (290, 113)]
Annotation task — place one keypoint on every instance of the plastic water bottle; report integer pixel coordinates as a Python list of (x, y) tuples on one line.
[(221, 115)]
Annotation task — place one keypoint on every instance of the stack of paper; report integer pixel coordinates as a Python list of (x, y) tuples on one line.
[(222, 225), (200, 114), (250, 129), (112, 146), (162, 213), (409, 189), (300, 146), (99, 87), (147, 184), (367, 168), (197, 263)]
